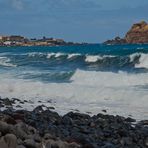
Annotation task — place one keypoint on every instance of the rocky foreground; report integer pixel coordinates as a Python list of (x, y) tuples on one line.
[(43, 128)]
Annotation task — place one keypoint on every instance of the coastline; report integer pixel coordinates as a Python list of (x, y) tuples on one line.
[(102, 44), (48, 45), (45, 128)]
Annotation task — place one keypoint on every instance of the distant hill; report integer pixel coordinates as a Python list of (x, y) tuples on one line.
[(136, 35)]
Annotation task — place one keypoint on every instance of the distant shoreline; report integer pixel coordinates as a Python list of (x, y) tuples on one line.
[(48, 45), (77, 45), (17, 40)]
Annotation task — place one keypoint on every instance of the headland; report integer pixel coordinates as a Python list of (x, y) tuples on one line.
[(138, 34)]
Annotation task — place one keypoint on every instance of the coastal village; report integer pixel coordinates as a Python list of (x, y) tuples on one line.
[(17, 40)]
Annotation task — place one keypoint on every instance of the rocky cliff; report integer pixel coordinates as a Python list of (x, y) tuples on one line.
[(136, 35)]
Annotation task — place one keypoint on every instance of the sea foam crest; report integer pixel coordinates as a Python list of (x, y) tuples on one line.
[(49, 55), (143, 61), (93, 58), (133, 56), (73, 55), (33, 54), (57, 55), (4, 61)]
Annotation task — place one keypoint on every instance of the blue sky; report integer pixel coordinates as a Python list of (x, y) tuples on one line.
[(73, 20)]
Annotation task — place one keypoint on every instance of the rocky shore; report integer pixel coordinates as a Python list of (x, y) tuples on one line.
[(43, 128)]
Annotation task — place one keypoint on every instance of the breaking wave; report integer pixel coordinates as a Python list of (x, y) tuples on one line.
[(136, 60), (6, 62), (88, 91), (143, 61)]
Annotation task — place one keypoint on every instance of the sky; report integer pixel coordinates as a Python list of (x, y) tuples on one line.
[(92, 21)]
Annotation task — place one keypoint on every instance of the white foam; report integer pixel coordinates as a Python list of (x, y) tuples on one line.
[(49, 55), (57, 55), (72, 55), (120, 93), (143, 62), (92, 59), (109, 79), (109, 56), (4, 61), (33, 54)]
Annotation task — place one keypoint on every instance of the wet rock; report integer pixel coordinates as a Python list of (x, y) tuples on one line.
[(92, 124), (18, 116), (31, 130), (146, 142), (126, 141), (21, 102), (25, 101), (1, 105), (20, 146), (77, 115), (52, 108), (49, 101), (19, 141), (37, 138), (104, 110), (20, 130), (38, 109), (108, 145), (3, 143), (11, 140), (60, 144), (48, 136), (130, 119), (30, 143), (143, 122), (18, 106), (43, 126), (51, 143), (16, 100), (67, 120), (8, 119), (5, 128), (7, 102), (74, 145)]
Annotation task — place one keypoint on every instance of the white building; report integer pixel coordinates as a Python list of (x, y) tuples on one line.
[(7, 43)]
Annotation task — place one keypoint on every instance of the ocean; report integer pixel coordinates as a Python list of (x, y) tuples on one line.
[(85, 78)]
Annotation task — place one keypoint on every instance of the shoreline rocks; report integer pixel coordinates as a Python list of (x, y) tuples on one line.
[(43, 128)]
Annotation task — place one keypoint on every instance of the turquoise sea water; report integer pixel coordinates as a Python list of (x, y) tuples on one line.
[(58, 64), (87, 78)]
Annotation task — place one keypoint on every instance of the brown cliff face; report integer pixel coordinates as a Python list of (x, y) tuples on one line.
[(138, 33)]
